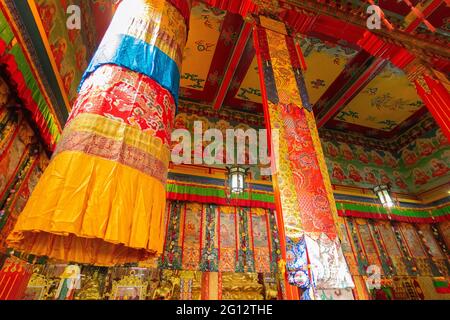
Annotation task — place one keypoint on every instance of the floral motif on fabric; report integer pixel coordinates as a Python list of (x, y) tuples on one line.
[(210, 252), (297, 263), (171, 258), (126, 96), (246, 262)]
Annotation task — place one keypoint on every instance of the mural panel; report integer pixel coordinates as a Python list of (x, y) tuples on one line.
[(71, 49), (425, 163)]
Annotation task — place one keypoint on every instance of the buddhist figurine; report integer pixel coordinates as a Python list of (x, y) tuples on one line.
[(70, 281)]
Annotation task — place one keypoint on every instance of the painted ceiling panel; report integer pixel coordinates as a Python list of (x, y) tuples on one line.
[(212, 38), (387, 101), (324, 64), (244, 90), (250, 89), (205, 28), (385, 105)]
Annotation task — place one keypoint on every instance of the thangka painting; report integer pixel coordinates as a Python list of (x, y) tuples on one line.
[(430, 240), (260, 243), (204, 237), (368, 243), (228, 239), (444, 228), (415, 246), (412, 240), (191, 236)]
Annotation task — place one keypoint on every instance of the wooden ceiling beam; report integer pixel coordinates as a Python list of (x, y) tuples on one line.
[(234, 62), (428, 9), (357, 18), (360, 71)]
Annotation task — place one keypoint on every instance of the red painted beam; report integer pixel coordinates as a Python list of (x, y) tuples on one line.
[(234, 61), (426, 13), (372, 44), (301, 57), (437, 99), (243, 7)]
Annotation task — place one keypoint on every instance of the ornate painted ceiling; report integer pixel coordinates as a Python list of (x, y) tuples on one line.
[(349, 88), (386, 104)]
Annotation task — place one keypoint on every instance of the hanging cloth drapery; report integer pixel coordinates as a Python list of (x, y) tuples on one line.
[(102, 198)]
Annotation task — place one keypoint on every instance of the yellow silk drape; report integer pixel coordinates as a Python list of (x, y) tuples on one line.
[(102, 198)]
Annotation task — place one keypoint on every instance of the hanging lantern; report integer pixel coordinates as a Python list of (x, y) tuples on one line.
[(236, 179), (382, 192)]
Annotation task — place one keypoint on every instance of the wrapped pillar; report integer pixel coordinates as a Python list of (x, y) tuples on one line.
[(433, 88), (102, 198), (314, 259)]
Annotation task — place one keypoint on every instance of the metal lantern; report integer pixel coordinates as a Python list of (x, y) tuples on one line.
[(236, 179), (382, 192)]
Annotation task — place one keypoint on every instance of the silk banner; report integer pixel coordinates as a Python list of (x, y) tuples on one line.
[(102, 198), (301, 179)]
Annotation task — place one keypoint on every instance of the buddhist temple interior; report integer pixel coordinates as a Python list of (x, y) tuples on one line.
[(356, 120)]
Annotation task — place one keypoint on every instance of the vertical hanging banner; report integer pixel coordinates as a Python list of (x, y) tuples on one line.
[(210, 239), (274, 240), (102, 198), (301, 179), (415, 247), (261, 244), (347, 248), (228, 240), (367, 242), (245, 260), (192, 235), (392, 249), (171, 258)]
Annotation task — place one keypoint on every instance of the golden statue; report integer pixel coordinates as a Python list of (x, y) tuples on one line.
[(164, 291), (282, 267), (241, 286), (90, 290), (271, 292), (170, 280)]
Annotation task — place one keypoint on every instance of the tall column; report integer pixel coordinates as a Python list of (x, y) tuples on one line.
[(314, 259), (433, 88), (14, 277), (102, 198)]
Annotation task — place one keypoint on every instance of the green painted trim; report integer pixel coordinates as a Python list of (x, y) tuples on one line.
[(216, 192), (32, 29)]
